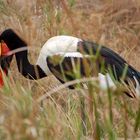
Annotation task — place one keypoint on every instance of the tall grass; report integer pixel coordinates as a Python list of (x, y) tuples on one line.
[(69, 114)]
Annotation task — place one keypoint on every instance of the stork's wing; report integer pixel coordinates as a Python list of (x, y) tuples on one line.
[(110, 58), (107, 60), (70, 68), (92, 48)]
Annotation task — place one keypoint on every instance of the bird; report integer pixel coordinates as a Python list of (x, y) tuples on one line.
[(60, 54)]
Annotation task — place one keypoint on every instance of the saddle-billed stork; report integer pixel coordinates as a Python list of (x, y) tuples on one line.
[(66, 51)]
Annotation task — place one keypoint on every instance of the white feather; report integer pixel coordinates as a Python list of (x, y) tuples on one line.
[(105, 81), (72, 54), (56, 45)]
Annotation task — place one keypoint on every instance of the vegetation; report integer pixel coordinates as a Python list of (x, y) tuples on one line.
[(63, 114)]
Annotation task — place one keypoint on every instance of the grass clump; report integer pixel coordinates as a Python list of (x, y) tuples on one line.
[(65, 114)]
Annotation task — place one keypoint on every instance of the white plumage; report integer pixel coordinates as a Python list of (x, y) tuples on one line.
[(56, 45), (105, 81)]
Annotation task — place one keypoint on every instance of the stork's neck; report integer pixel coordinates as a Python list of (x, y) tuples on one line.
[(13, 41)]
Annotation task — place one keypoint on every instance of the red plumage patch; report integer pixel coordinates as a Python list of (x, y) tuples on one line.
[(3, 51)]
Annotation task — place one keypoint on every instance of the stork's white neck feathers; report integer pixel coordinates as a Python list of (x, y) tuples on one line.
[(56, 45)]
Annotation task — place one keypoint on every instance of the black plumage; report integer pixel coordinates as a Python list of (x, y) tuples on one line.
[(102, 55)]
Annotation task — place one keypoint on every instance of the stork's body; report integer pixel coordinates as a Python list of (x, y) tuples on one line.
[(67, 47), (70, 49), (75, 48)]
